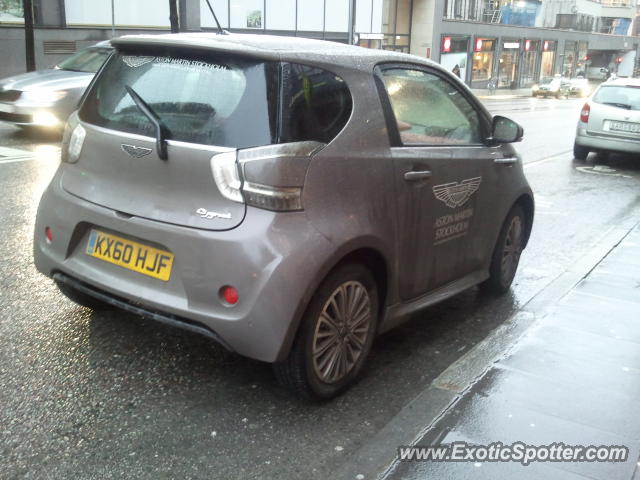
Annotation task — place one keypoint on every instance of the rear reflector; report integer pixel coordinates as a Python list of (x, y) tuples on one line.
[(229, 295), (48, 234), (584, 114)]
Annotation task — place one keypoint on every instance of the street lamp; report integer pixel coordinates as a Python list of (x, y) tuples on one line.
[(352, 20)]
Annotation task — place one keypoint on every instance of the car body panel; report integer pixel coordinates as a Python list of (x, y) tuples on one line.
[(138, 185)]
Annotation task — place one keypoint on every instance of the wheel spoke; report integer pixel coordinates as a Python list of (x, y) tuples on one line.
[(355, 341)]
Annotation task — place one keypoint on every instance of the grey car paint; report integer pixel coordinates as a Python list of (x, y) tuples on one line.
[(357, 205), (20, 111)]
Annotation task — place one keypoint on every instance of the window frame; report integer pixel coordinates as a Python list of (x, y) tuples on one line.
[(395, 140)]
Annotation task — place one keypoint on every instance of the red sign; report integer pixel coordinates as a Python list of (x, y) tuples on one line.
[(527, 45), (478, 45), (545, 47), (446, 44)]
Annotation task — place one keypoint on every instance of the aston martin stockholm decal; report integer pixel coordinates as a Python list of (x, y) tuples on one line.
[(456, 194)]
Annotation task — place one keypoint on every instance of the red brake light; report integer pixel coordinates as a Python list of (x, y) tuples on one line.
[(48, 234), (229, 294), (584, 114)]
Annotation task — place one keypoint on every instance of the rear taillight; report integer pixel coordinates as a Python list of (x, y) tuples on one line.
[(72, 148), (228, 175), (584, 113)]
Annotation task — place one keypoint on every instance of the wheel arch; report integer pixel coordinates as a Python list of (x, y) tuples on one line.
[(372, 257), (525, 201)]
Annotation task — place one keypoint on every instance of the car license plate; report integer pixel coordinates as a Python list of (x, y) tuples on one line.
[(625, 127), (130, 255), (5, 108)]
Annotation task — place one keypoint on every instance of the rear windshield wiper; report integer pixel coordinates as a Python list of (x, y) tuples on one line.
[(161, 129), (619, 105)]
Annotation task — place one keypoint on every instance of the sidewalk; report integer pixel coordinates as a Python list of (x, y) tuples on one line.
[(501, 94), (574, 377), (565, 368)]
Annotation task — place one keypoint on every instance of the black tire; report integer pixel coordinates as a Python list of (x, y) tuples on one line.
[(506, 253), (580, 152), (82, 299), (299, 373)]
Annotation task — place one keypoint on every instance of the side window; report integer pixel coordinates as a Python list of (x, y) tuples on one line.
[(316, 104), (429, 110)]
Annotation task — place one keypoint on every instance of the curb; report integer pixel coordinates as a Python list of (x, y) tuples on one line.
[(376, 458)]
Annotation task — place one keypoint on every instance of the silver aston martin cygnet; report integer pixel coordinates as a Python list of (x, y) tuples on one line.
[(288, 198)]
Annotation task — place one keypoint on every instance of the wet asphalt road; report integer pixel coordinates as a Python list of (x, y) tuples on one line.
[(107, 395)]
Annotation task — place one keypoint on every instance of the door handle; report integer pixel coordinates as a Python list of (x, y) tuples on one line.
[(415, 176), (506, 161)]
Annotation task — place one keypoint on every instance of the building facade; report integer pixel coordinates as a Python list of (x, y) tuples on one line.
[(512, 43)]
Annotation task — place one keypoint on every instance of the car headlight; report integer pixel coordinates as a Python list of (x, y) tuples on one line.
[(43, 96)]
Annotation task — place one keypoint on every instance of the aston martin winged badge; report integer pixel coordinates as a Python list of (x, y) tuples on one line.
[(456, 194), (134, 151)]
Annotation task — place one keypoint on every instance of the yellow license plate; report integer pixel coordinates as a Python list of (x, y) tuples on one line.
[(131, 255)]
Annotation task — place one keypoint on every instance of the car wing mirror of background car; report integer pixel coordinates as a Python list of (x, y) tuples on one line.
[(505, 130), (161, 129)]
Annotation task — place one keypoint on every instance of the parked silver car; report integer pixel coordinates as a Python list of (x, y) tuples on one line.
[(288, 198), (610, 120), (46, 98)]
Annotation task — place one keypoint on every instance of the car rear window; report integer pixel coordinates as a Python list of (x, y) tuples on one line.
[(210, 100), (622, 96), (220, 100)]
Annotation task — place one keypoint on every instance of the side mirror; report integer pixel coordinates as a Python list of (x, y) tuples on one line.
[(505, 130)]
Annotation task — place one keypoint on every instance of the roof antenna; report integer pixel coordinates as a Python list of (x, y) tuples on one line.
[(221, 31)]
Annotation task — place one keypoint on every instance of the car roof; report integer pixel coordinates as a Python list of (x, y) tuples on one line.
[(631, 82), (274, 48), (103, 44)]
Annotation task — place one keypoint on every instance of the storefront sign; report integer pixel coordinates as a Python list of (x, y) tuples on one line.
[(527, 45), (511, 45), (545, 47), (371, 36), (478, 45), (446, 44)]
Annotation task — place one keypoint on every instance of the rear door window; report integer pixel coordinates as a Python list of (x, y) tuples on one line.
[(203, 99), (316, 104)]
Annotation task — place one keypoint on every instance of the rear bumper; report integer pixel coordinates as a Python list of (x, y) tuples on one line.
[(607, 144), (266, 258)]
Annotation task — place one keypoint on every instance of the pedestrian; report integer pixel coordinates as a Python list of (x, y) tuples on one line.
[(456, 70)]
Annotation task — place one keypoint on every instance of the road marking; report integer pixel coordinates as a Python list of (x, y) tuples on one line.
[(13, 152), (558, 156), (19, 159), (602, 170)]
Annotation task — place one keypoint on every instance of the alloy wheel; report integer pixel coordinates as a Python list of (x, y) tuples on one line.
[(341, 332), (512, 249)]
